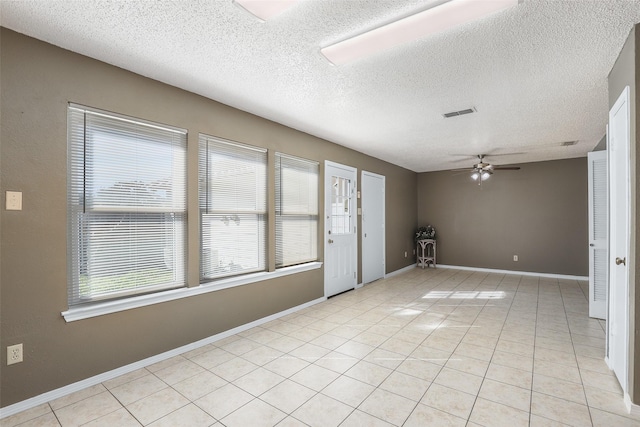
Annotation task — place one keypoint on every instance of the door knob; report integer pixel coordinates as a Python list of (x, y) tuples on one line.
[(591, 245), (330, 241), (622, 261)]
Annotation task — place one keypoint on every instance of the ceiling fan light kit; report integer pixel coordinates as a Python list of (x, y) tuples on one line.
[(482, 170), (427, 22), (482, 175)]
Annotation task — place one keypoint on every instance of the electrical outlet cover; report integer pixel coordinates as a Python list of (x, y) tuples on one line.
[(14, 354)]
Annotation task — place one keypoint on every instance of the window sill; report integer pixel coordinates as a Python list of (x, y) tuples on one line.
[(99, 309)]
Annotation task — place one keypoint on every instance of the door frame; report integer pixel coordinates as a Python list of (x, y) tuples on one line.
[(362, 228), (327, 227), (615, 270)]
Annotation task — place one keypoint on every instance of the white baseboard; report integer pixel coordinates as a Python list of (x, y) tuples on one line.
[(521, 273), (80, 385), (632, 408), (402, 270), (606, 360)]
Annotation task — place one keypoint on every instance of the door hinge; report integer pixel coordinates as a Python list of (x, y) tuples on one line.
[(354, 274)]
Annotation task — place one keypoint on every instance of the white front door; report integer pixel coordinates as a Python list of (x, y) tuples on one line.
[(598, 234), (340, 243), (618, 148), (373, 256)]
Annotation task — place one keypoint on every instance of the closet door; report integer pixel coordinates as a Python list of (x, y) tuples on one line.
[(598, 234)]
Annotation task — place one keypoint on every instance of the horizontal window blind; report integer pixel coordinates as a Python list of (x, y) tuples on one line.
[(126, 206), (296, 210), (233, 207)]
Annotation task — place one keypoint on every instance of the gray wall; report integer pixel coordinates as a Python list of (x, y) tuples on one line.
[(37, 82), (626, 72), (602, 145), (538, 213)]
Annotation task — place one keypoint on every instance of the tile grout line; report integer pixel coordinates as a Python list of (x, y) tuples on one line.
[(492, 355), (575, 356), (488, 364)]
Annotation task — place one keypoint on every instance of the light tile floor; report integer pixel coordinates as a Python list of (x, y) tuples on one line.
[(430, 347)]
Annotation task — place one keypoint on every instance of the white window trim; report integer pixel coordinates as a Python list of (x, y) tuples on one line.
[(108, 307)]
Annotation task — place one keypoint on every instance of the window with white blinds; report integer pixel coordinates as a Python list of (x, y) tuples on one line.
[(296, 210), (233, 208), (126, 206)]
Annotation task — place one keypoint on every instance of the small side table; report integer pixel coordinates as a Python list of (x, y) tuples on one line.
[(426, 251)]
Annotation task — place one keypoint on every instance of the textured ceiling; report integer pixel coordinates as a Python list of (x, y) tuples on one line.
[(536, 73)]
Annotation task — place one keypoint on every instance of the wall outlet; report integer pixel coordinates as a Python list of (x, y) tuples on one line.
[(14, 354), (405, 254), (515, 257)]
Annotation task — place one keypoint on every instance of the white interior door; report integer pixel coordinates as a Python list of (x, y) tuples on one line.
[(373, 256), (340, 244), (598, 232), (618, 149)]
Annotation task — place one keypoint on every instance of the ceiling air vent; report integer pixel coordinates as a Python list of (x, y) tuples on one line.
[(459, 113), (568, 143)]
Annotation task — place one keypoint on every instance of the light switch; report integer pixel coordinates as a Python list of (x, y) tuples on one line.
[(359, 211), (13, 201)]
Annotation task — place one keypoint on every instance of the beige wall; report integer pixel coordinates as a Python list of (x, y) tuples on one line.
[(538, 213), (626, 72), (37, 81)]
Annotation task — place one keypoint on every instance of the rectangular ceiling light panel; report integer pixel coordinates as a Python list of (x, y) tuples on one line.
[(265, 9), (422, 24)]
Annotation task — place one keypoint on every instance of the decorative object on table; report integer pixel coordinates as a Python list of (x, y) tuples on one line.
[(423, 233)]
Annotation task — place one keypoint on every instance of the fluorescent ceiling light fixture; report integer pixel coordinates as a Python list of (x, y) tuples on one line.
[(422, 24), (265, 9)]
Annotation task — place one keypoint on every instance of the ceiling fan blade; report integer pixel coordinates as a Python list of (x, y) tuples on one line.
[(512, 153), (483, 167), (462, 158)]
